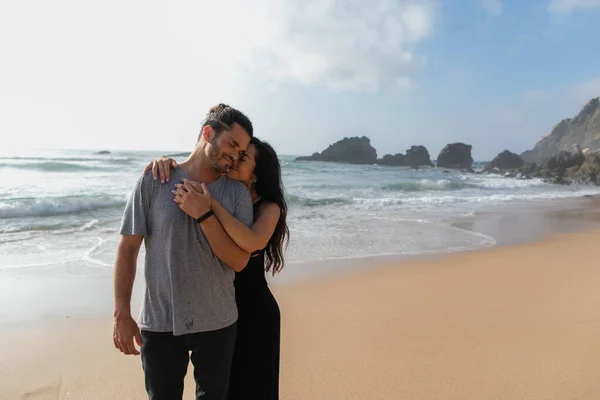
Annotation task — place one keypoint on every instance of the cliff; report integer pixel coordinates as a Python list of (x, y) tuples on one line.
[(582, 131)]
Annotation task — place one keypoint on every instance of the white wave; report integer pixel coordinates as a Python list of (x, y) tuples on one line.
[(87, 256), (474, 198), (428, 185), (42, 207), (502, 183), (482, 241), (88, 225), (68, 159), (76, 256), (441, 184)]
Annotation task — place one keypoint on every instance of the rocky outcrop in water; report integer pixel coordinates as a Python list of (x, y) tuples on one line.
[(583, 131), (572, 167), (455, 156), (505, 161), (588, 172), (564, 168), (568, 167), (557, 165), (354, 150), (103, 152), (396, 160), (416, 156)]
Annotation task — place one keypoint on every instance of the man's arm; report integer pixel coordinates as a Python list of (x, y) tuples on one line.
[(124, 272), (133, 230), (125, 327)]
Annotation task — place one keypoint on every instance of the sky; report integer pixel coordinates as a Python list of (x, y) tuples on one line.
[(128, 74)]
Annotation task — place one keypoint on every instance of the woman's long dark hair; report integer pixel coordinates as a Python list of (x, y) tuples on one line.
[(269, 186)]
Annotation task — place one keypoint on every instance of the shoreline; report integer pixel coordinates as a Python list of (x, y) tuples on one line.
[(519, 224), (65, 291)]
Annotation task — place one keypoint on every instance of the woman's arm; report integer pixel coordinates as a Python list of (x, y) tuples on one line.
[(246, 238), (196, 204), (249, 238)]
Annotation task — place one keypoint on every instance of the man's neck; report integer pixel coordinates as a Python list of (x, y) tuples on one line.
[(198, 168)]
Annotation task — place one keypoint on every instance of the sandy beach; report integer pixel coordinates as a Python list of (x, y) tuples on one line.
[(513, 322)]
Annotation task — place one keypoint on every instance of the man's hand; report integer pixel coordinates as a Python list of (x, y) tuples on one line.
[(193, 198), (125, 330)]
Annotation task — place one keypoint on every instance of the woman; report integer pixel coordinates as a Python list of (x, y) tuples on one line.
[(255, 366)]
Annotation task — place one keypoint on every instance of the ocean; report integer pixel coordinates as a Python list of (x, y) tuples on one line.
[(61, 210)]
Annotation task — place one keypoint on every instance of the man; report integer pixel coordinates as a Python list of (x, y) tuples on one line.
[(189, 301)]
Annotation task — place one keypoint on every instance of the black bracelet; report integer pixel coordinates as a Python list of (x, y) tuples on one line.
[(205, 216)]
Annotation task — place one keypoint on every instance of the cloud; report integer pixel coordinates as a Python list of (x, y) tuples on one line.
[(343, 46), (125, 73), (568, 6), (492, 7), (350, 45)]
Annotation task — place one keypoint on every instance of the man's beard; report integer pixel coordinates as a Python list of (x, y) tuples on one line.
[(213, 157)]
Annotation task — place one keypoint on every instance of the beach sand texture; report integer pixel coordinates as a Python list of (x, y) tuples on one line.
[(517, 322)]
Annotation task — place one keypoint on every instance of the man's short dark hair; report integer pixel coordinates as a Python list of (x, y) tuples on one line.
[(217, 126), (228, 116)]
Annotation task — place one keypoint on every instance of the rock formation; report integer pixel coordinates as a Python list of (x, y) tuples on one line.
[(455, 156), (416, 156), (354, 150), (396, 160), (505, 161)]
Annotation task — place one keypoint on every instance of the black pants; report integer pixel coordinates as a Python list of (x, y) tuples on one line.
[(165, 359)]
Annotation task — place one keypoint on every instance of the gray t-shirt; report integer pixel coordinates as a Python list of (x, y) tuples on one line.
[(188, 289)]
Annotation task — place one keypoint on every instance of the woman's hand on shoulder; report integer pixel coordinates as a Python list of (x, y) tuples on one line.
[(161, 167)]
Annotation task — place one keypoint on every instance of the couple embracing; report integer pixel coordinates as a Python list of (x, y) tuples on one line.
[(212, 226)]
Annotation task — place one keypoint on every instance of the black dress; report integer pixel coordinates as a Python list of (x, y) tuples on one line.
[(255, 366)]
